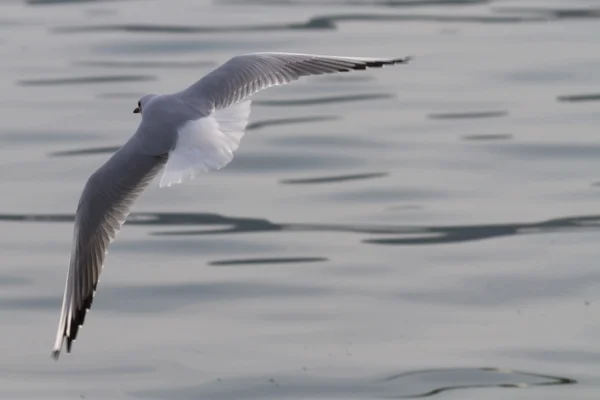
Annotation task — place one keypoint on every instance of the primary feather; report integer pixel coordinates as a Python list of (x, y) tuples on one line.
[(103, 208), (191, 131)]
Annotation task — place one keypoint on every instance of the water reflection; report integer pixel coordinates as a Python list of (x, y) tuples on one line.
[(251, 127), (499, 378), (465, 115), (334, 179), (263, 261), (324, 100), (548, 151), (486, 137), (48, 2), (553, 13), (86, 80), (564, 356), (88, 151), (580, 97), (31, 137), (457, 19), (312, 24), (14, 280), (286, 121), (103, 48), (121, 95), (144, 64), (409, 385), (325, 22), (167, 297), (370, 3), (330, 22), (396, 235)]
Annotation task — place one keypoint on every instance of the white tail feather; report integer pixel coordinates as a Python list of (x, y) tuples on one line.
[(206, 143), (65, 318)]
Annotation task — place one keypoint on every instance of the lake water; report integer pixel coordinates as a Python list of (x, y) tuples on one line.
[(429, 229)]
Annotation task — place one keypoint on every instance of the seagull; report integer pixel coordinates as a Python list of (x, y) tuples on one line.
[(183, 134)]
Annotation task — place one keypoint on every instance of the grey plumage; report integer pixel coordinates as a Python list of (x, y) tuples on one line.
[(247, 74), (189, 131), (104, 205)]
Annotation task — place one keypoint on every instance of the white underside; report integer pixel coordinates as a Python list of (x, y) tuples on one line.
[(206, 144)]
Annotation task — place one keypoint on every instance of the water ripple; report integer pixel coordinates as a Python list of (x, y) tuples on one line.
[(401, 234), (554, 13), (50, 2), (86, 80), (87, 151), (334, 179), (324, 100), (30, 137), (121, 95), (249, 163), (167, 297), (551, 151), (328, 22), (189, 29), (513, 290), (264, 261), (13, 280), (459, 19), (408, 385), (505, 379), (369, 3), (145, 64), (469, 115), (579, 97), (251, 127), (486, 137), (287, 121)]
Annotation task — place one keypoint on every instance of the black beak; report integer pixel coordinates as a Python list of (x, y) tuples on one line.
[(137, 110)]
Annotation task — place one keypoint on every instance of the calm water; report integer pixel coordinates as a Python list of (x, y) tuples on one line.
[(425, 230)]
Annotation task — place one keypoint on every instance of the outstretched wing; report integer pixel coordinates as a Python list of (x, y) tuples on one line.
[(209, 142), (103, 207), (247, 74)]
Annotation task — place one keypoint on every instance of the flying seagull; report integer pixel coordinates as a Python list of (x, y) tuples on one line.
[(182, 134)]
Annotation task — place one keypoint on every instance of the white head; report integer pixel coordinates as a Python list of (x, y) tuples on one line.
[(143, 102)]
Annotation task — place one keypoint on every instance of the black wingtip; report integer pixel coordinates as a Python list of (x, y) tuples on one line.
[(55, 354), (381, 63), (77, 321), (404, 60)]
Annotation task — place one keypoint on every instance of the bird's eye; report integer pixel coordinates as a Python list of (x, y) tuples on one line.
[(139, 104)]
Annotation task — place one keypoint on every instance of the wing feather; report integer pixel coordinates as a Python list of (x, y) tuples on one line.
[(103, 207), (245, 75)]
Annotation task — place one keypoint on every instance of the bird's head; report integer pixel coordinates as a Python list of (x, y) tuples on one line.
[(143, 102)]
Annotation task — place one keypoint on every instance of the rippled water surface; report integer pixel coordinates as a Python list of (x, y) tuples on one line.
[(430, 229)]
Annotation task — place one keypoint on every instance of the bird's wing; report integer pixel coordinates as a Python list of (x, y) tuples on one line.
[(103, 207), (209, 142), (245, 75)]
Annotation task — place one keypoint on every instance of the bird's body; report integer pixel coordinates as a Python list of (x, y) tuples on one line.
[(182, 134)]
